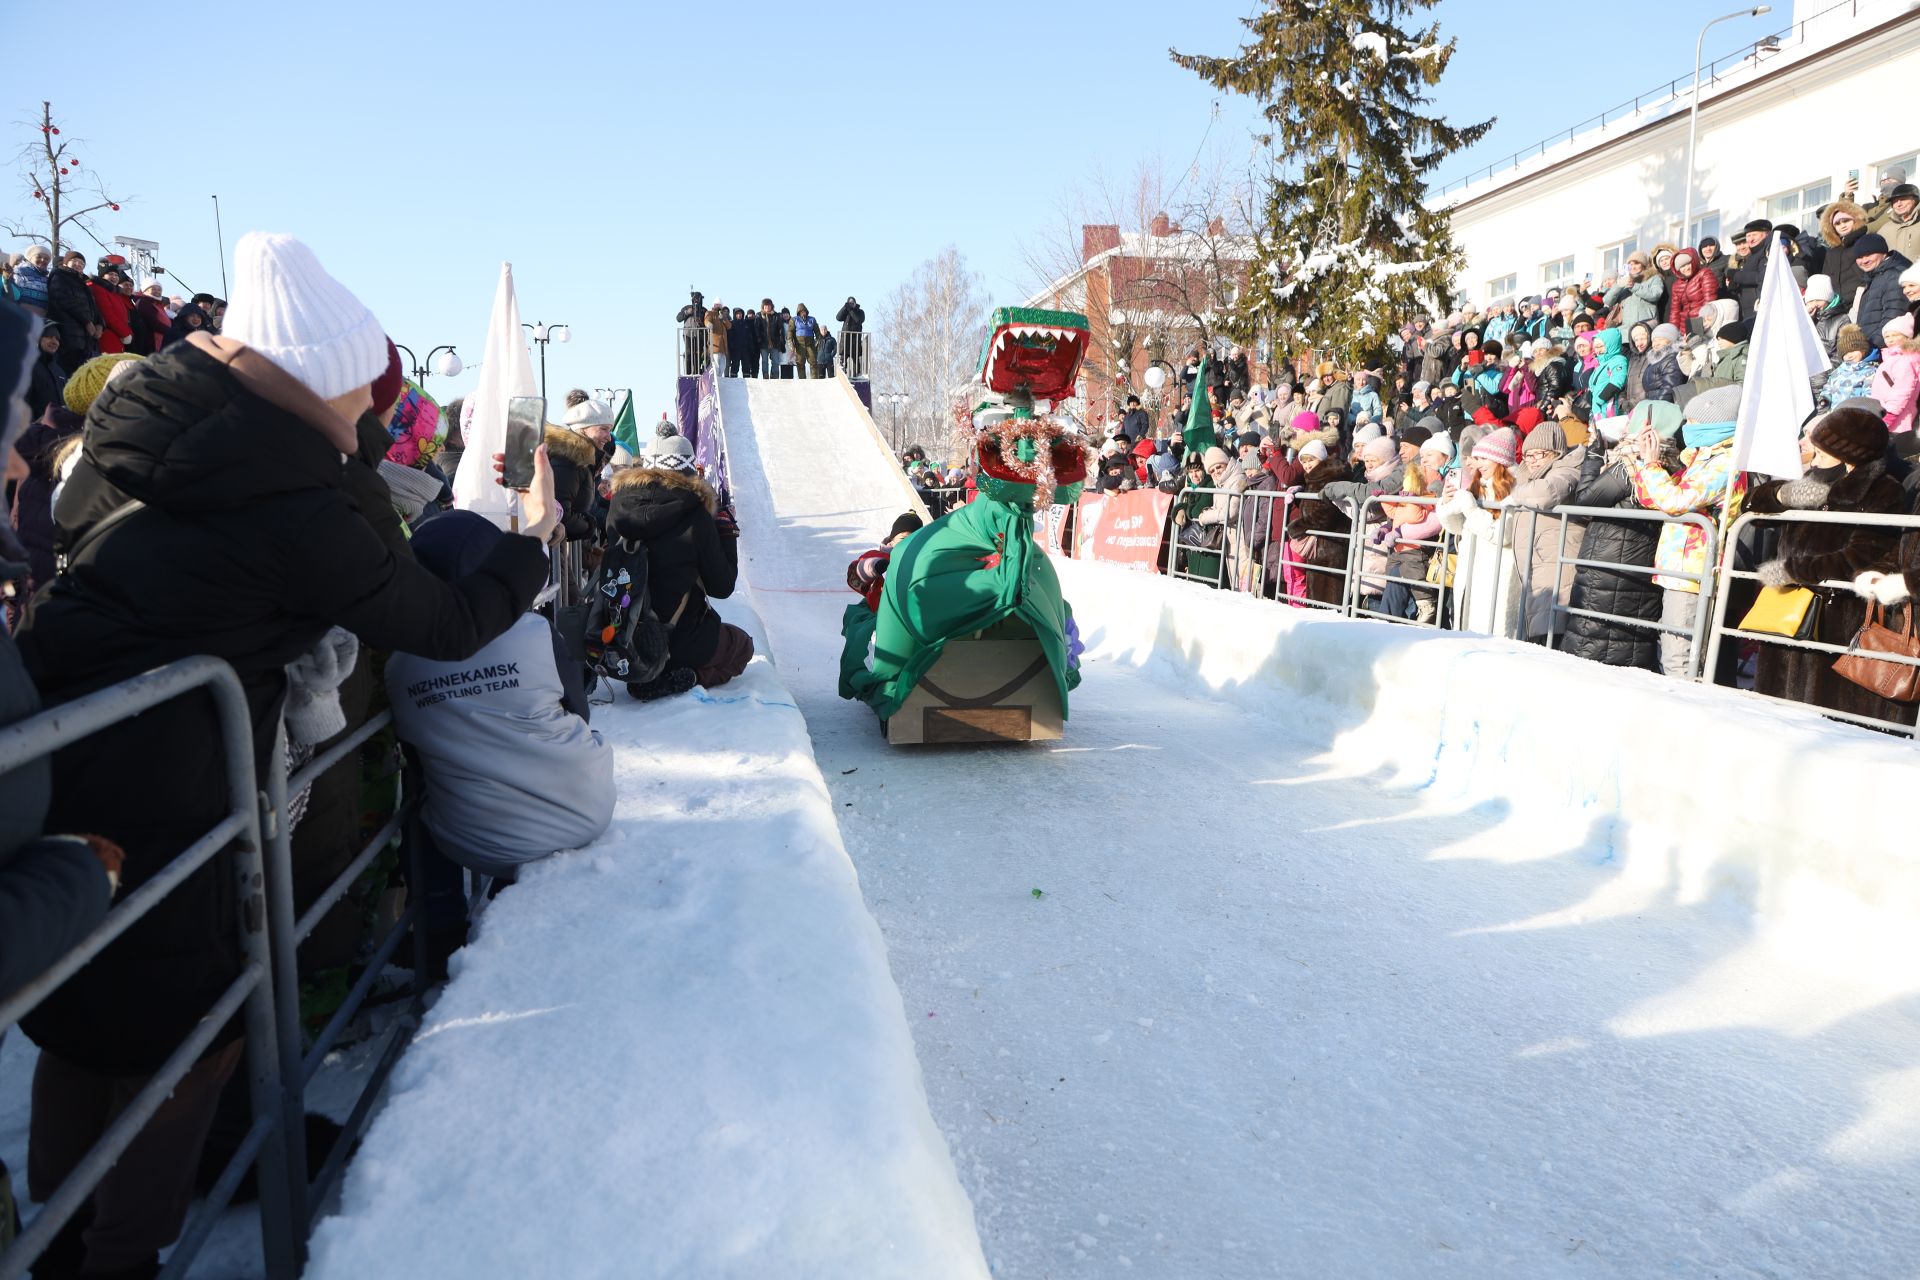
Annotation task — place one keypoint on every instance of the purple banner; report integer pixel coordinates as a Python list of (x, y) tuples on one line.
[(708, 449), (686, 409)]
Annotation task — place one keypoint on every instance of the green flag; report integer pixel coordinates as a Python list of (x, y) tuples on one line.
[(626, 433), (1199, 436)]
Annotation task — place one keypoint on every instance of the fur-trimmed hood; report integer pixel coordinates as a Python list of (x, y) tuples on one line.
[(1833, 238), (633, 478), (570, 446)]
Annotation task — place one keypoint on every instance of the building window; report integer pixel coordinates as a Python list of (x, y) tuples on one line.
[(1556, 272), (1707, 224), (1613, 257), (1796, 207), (1505, 287)]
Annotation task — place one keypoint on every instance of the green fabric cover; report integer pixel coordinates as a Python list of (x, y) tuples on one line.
[(968, 570)]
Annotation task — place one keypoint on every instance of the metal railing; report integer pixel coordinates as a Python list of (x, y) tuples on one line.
[(1728, 575), (943, 499), (235, 840), (693, 349), (1420, 591), (1703, 582), (1678, 87), (282, 1064)]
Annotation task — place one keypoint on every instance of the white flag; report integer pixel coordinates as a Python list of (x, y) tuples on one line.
[(1776, 397), (506, 370)]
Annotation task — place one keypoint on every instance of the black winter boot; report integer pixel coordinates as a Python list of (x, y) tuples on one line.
[(669, 685)]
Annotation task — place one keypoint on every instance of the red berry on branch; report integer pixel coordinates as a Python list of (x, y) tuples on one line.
[(116, 208), (56, 129)]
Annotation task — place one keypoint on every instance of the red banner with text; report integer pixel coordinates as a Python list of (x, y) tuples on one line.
[(1123, 528)]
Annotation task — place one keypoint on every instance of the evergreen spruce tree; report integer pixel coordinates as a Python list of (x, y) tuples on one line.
[(1347, 246)]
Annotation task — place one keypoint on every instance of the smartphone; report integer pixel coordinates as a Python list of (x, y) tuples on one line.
[(526, 424)]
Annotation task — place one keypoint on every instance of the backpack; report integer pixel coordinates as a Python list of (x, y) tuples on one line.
[(621, 638)]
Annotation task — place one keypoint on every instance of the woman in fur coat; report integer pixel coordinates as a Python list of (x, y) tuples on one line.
[(1847, 472)]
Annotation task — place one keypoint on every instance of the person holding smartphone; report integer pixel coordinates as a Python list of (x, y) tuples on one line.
[(209, 515)]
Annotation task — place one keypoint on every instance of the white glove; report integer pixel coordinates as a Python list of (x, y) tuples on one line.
[(1890, 588), (1864, 585), (313, 712)]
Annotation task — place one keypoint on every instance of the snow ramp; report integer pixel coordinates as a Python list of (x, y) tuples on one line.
[(813, 483), (679, 1052)]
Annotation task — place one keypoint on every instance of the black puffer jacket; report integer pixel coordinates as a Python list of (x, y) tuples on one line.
[(249, 547), (576, 468), (688, 559), (1627, 595), (1663, 376), (70, 304)]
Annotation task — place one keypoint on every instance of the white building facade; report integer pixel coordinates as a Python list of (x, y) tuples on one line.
[(1780, 133)]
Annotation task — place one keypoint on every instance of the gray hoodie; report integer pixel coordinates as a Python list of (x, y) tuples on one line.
[(512, 776)]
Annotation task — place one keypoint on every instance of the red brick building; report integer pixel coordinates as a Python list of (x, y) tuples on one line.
[(1147, 296)]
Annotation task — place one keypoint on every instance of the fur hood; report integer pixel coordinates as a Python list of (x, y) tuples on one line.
[(1544, 356), (648, 477), (570, 446), (1833, 238)]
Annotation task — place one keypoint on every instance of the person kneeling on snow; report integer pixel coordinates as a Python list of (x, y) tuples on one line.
[(693, 554), (867, 575), (513, 773)]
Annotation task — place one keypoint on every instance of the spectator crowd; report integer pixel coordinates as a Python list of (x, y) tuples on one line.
[(254, 479), (768, 342)]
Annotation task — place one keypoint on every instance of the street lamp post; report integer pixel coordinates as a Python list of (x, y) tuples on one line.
[(543, 334), (894, 399), (1693, 112), (447, 367)]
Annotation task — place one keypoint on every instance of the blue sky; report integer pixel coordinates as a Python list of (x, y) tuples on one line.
[(618, 153)]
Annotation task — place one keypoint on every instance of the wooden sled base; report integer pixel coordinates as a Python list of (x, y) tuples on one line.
[(992, 686)]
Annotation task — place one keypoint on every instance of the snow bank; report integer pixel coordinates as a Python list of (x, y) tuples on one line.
[(676, 1053), (1689, 790)]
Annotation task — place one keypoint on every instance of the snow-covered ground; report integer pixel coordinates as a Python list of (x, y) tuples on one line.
[(675, 1053), (1285, 1005)]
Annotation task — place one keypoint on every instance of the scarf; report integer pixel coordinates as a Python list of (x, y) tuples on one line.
[(1704, 435)]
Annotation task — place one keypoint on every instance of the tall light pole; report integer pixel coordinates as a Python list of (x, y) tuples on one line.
[(543, 334), (894, 399), (1693, 113)]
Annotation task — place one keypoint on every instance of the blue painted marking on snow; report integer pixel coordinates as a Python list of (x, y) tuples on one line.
[(701, 695)]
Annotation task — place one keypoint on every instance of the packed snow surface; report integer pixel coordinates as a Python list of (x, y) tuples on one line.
[(675, 1053), (1355, 952)]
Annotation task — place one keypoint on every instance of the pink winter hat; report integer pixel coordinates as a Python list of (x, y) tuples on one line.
[(1305, 420), (1902, 325), (1502, 446)]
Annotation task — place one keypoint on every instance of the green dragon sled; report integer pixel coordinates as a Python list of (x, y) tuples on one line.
[(973, 641)]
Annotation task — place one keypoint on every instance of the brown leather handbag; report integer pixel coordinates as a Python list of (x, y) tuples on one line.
[(1893, 681)]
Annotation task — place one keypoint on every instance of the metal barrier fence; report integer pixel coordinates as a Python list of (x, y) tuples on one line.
[(944, 499), (282, 1065), (1703, 582), (254, 989), (1728, 575)]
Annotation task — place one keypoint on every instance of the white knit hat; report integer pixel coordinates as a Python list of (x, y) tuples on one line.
[(1439, 442), (588, 413), (286, 307)]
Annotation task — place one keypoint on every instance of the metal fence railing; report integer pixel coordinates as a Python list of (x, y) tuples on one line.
[(693, 350), (1728, 575), (235, 842), (256, 841), (1703, 582)]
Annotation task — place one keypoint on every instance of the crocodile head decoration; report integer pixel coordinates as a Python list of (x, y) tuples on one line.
[(1033, 353)]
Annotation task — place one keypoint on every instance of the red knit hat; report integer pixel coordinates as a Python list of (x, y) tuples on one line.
[(387, 387)]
